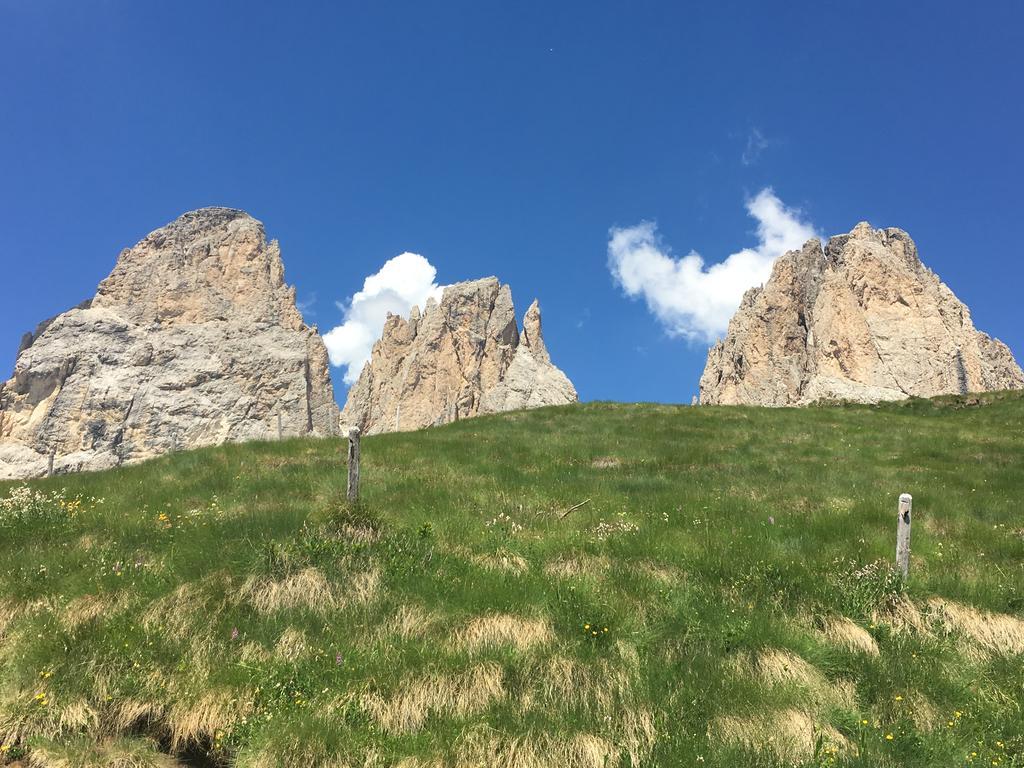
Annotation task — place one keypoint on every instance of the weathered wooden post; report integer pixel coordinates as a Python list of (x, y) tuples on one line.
[(49, 463), (280, 431), (353, 465), (903, 534)]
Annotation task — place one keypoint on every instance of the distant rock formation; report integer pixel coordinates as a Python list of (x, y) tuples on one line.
[(461, 357), (862, 319), (193, 339)]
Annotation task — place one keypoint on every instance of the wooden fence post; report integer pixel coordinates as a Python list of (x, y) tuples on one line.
[(280, 431), (353, 465), (903, 534), (49, 462)]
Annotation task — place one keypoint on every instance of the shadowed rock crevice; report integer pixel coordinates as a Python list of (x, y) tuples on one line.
[(193, 339), (859, 319)]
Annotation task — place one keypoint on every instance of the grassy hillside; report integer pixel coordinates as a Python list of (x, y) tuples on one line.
[(724, 597)]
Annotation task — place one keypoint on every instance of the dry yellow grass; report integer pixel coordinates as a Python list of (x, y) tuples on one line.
[(777, 667), (120, 713), (290, 752), (9, 611), (564, 683), (84, 609), (503, 561), (636, 733), (192, 721), (13, 725), (844, 633), (311, 590), (625, 720), (579, 566), (21, 716), (788, 735), (984, 634), (291, 646), (308, 588), (409, 762), (902, 616), (485, 747), (409, 622), (74, 716), (59, 716), (87, 542), (436, 695), (504, 629), (923, 712), (603, 689), (125, 714), (665, 575), (114, 753), (251, 653), (359, 534), (363, 588), (177, 614)]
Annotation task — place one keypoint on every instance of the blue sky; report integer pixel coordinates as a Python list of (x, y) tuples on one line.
[(509, 139)]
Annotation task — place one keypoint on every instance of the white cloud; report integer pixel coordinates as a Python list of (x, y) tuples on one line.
[(405, 281), (693, 300)]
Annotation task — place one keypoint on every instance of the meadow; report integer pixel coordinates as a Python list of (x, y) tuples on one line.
[(592, 586)]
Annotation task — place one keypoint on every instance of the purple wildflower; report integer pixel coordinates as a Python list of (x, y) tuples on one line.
[(234, 633)]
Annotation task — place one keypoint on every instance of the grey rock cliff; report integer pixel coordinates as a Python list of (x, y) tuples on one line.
[(861, 319), (193, 339), (461, 357)]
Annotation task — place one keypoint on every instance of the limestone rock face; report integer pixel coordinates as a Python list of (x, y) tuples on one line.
[(193, 339), (861, 319), (461, 357)]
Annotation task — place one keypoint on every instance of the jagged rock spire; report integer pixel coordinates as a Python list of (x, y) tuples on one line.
[(458, 358)]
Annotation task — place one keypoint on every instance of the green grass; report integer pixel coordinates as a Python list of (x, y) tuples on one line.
[(227, 607)]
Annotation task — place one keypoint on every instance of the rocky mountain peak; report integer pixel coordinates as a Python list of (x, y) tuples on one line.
[(193, 339), (460, 357), (861, 318), (205, 265)]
